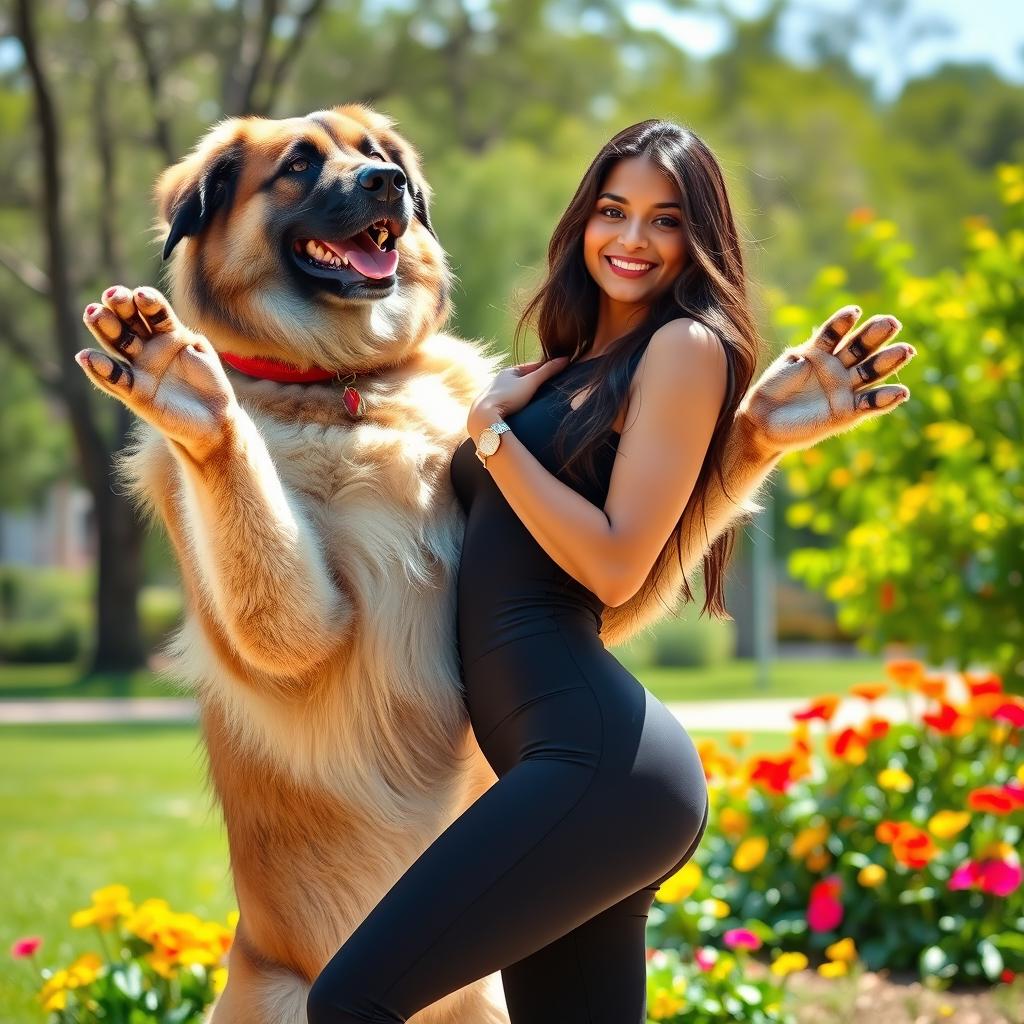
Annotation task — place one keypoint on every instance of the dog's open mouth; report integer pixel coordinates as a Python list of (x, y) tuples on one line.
[(369, 257)]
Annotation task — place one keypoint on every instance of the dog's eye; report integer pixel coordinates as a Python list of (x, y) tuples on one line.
[(298, 165), (379, 156)]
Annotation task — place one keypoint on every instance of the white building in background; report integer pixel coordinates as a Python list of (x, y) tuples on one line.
[(58, 534)]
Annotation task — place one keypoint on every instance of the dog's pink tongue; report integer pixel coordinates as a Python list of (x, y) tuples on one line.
[(365, 256)]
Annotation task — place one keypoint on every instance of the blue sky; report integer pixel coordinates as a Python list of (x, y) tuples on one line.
[(987, 30)]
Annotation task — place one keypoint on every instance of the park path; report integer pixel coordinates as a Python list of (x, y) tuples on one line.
[(754, 714)]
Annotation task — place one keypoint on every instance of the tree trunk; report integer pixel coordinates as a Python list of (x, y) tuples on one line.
[(119, 644)]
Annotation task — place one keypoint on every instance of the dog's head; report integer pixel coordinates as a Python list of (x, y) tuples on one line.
[(305, 239)]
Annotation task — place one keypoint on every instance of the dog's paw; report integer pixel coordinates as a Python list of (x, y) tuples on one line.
[(168, 375)]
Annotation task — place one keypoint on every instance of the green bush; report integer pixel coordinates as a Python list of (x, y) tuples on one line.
[(693, 642), (46, 641), (160, 611)]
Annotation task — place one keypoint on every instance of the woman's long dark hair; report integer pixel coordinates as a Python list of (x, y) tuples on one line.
[(711, 289)]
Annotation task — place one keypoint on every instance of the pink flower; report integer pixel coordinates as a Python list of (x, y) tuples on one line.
[(705, 960), (741, 938), (999, 877), (25, 947), (825, 911)]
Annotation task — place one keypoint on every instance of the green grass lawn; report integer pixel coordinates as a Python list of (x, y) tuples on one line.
[(736, 680), (85, 806)]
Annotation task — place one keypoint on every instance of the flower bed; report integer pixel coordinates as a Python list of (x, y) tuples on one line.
[(897, 850)]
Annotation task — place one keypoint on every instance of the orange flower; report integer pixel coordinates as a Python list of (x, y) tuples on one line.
[(888, 831), (873, 728), (984, 705), (932, 686), (982, 682), (861, 215), (823, 708), (905, 671), (869, 691), (914, 847), (847, 745)]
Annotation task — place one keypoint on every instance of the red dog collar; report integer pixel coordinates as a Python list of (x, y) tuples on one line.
[(275, 369), (286, 373)]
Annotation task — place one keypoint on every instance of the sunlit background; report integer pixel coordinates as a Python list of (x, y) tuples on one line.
[(873, 152)]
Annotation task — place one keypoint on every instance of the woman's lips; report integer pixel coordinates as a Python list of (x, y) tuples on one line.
[(623, 272)]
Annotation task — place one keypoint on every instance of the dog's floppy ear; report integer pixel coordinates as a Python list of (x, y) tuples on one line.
[(191, 192), (407, 158)]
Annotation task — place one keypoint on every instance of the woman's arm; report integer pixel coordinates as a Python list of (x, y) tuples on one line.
[(678, 391)]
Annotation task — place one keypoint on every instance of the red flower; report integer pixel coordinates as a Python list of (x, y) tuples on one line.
[(823, 708), (775, 773), (1012, 711), (945, 721), (996, 799), (25, 947), (825, 911), (980, 683)]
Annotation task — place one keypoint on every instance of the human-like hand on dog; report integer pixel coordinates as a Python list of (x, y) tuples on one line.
[(511, 389), (166, 374)]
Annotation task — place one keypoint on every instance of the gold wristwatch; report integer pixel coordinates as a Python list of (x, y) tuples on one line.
[(490, 439)]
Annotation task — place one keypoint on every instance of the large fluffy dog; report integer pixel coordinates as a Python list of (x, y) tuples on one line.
[(295, 441)]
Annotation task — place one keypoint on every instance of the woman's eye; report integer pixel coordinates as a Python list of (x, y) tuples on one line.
[(671, 222), (299, 165), (610, 209)]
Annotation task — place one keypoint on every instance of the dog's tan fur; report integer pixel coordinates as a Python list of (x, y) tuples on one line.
[(319, 557)]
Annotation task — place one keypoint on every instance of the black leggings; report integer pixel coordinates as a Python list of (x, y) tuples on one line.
[(549, 875)]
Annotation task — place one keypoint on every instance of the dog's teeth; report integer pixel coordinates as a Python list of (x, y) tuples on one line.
[(382, 237), (344, 261)]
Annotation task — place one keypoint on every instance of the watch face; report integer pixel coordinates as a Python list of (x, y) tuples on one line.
[(489, 442)]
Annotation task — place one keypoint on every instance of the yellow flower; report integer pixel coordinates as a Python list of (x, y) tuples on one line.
[(738, 740), (218, 979), (946, 824), (951, 309), (57, 982), (111, 894), (833, 969), (895, 778), (832, 277), (722, 967), (791, 316), (945, 1010), (871, 876), (57, 1001), (232, 919), (840, 476), (85, 970), (883, 229), (786, 963), (807, 839), (986, 238), (733, 822), (664, 1005), (1020, 772), (681, 884), (844, 949), (162, 964), (716, 908), (750, 853)]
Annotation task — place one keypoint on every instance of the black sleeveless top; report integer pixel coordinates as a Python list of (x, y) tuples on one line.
[(508, 585)]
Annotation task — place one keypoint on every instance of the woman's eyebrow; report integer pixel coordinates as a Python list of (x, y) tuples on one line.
[(625, 202)]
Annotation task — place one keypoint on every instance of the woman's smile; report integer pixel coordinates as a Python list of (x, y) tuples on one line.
[(626, 267)]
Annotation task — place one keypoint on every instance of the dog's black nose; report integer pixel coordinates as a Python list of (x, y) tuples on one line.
[(383, 181)]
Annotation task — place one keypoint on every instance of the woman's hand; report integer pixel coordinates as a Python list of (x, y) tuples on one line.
[(511, 389)]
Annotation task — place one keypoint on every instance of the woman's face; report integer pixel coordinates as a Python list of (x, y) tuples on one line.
[(633, 243)]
